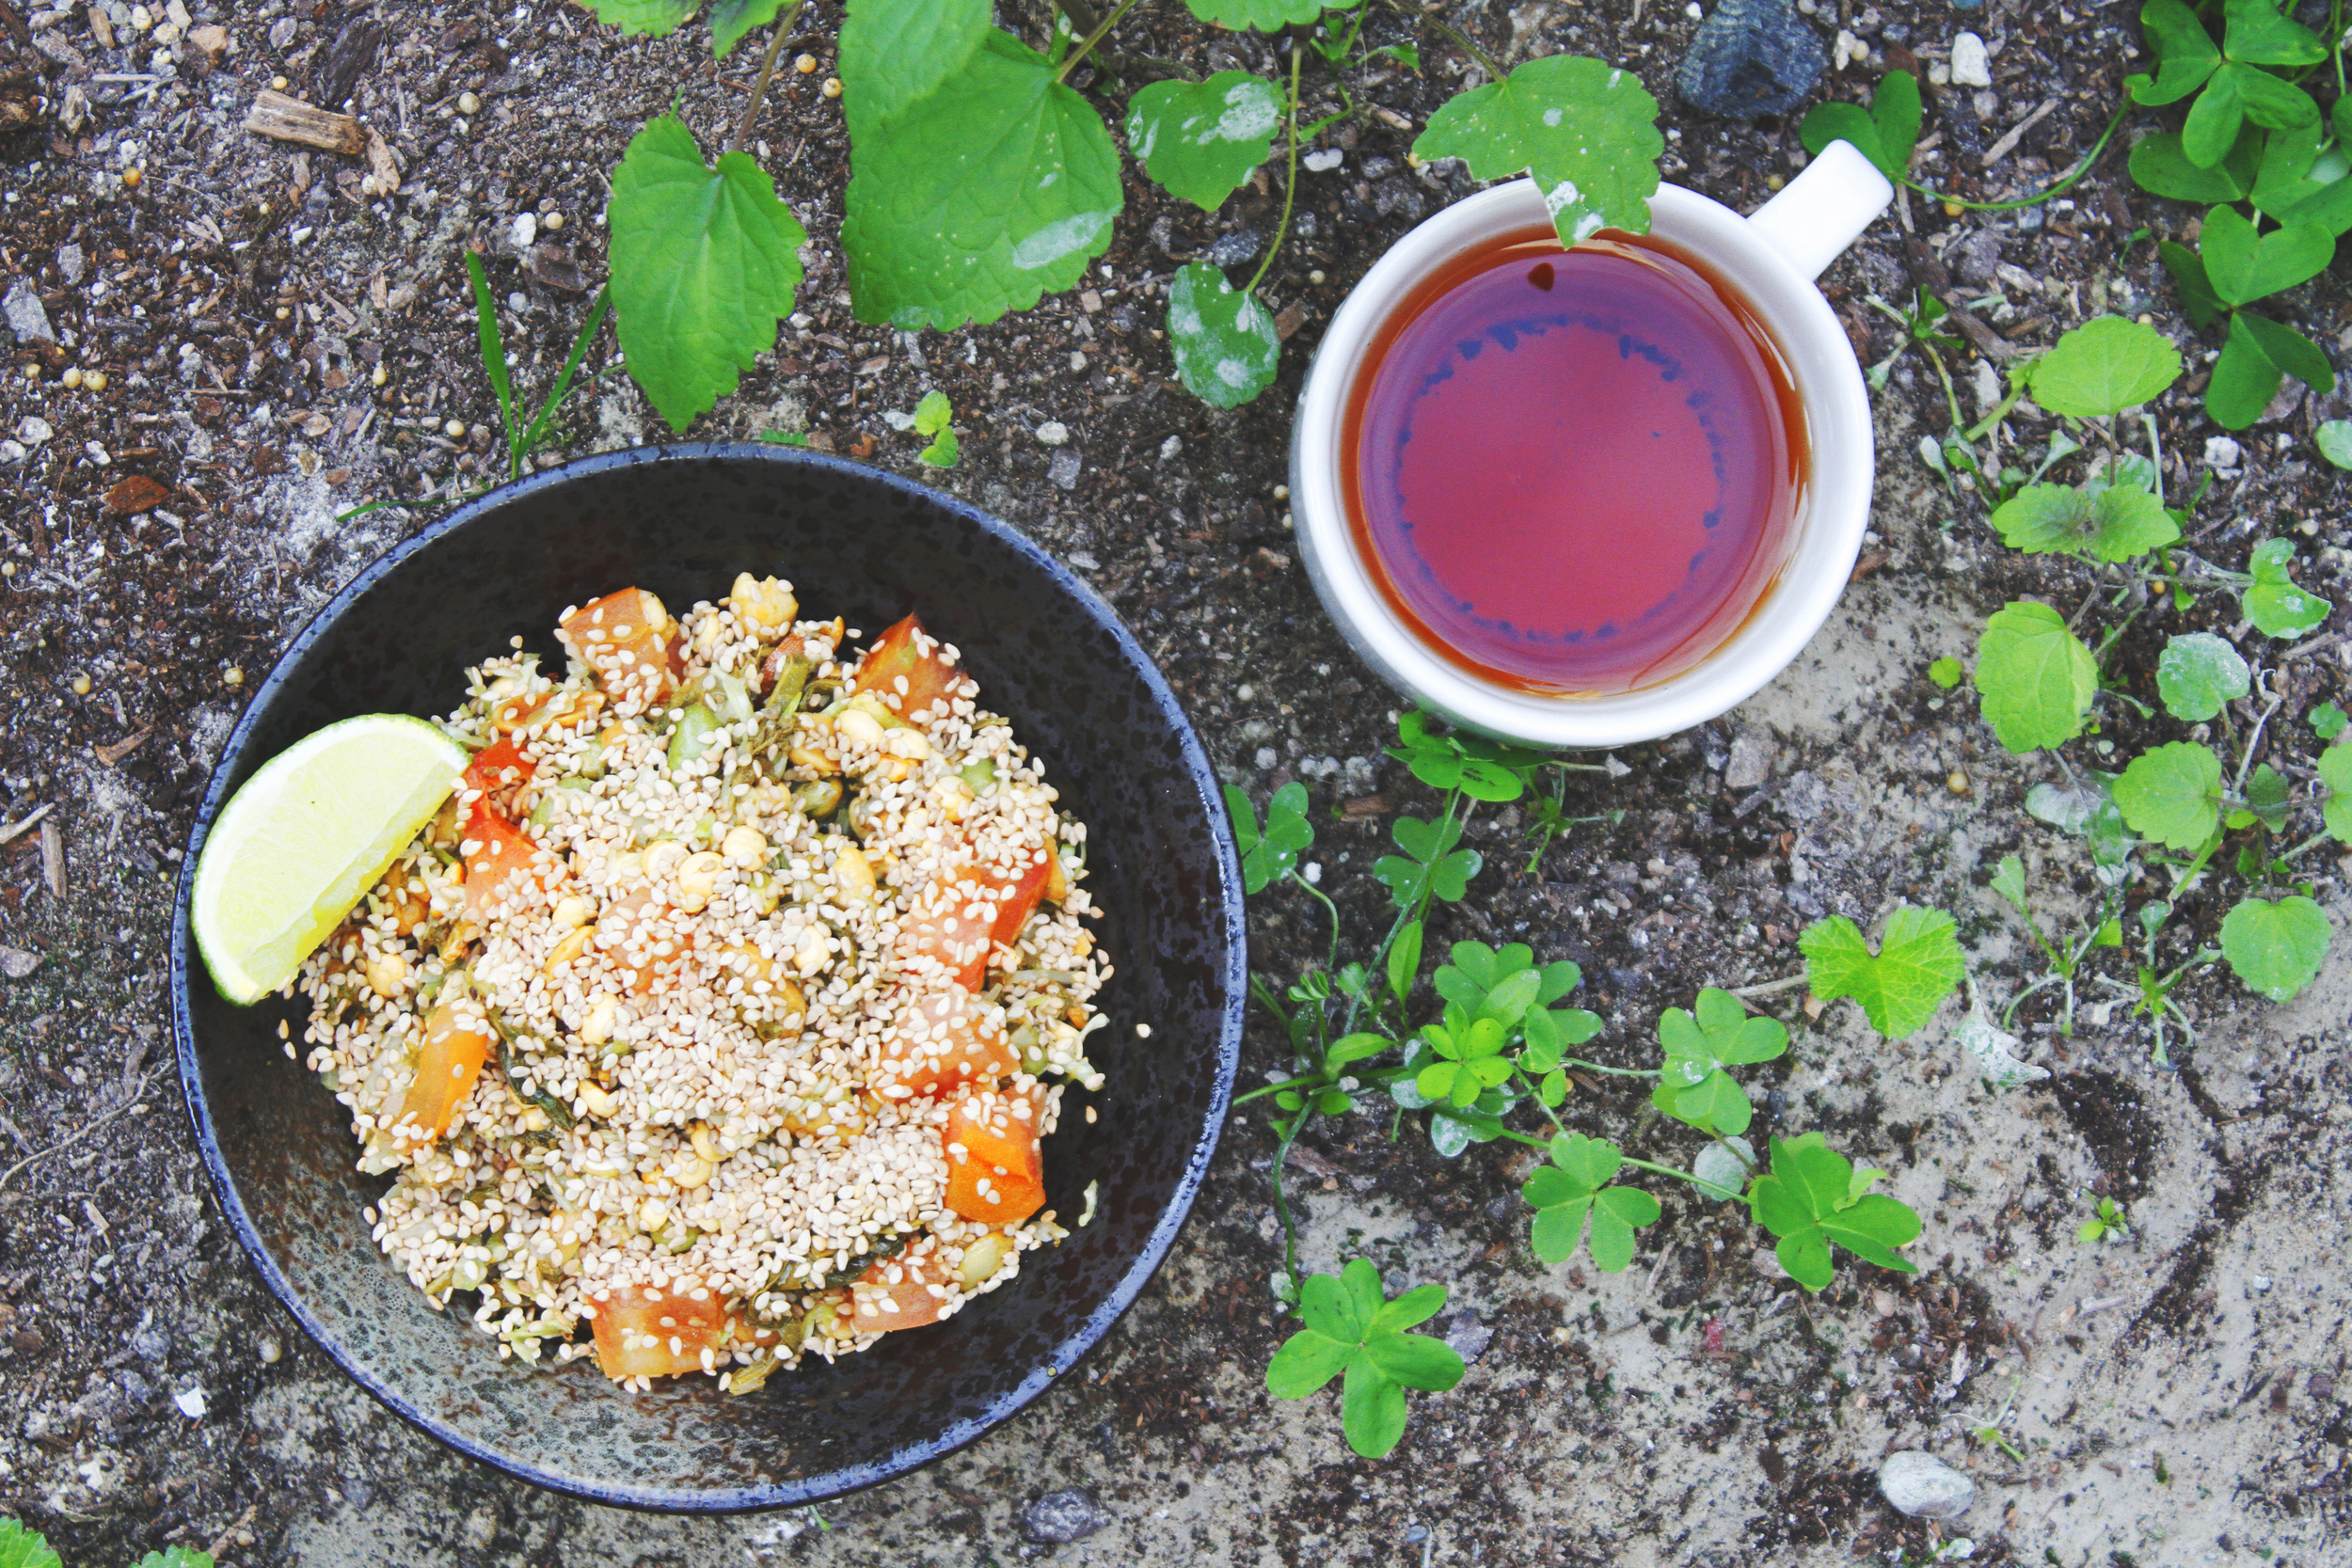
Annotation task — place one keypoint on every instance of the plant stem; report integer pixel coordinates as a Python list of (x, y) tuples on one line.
[(1679, 1175), (1282, 231), (2057, 188), (1086, 45), (1319, 896), (1462, 40), (1616, 1072), (766, 69), (1281, 1204)]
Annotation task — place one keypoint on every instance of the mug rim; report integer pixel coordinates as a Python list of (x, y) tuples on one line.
[(1824, 536)]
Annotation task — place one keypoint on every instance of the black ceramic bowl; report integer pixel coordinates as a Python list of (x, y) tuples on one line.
[(681, 521)]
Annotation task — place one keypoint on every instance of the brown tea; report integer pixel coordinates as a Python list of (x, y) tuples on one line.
[(1572, 471)]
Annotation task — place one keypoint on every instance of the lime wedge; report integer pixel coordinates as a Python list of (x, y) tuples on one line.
[(298, 846)]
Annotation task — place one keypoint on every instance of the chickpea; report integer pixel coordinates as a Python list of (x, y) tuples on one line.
[(853, 876), (600, 1103), (572, 910), (387, 974), (857, 727), (604, 1014), (696, 878), (744, 847), (652, 1215), (575, 943), (766, 607), (908, 744), (812, 955)]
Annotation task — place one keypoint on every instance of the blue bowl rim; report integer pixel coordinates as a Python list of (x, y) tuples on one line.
[(816, 1488)]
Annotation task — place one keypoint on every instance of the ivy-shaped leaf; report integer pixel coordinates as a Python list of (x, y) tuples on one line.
[(1352, 1330), (1587, 131), (995, 188), (1886, 133), (2198, 673), (705, 263), (2273, 603), (932, 417), (1200, 139), (1268, 855), (1693, 1088), (1811, 1197), (24, 1548), (2114, 524), (2102, 367), (895, 53), (1224, 341), (1573, 1189), (1436, 870), (1899, 986), (2335, 771), (2275, 947), (2036, 676), (2172, 795)]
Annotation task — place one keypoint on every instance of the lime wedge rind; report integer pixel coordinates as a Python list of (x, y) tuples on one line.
[(300, 844)]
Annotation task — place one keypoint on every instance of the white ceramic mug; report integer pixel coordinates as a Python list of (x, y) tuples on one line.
[(1770, 261)]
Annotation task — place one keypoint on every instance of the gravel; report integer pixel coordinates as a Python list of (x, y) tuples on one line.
[(1058, 1519), (1924, 1487)]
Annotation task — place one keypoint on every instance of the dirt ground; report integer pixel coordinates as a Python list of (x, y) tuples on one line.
[(281, 344)]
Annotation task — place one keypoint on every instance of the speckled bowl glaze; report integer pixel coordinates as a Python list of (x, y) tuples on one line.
[(681, 520)]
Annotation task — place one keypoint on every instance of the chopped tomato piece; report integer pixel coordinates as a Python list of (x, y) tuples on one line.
[(494, 772), (456, 1043), (905, 1292), (558, 710), (496, 851), (995, 1171), (962, 922), (643, 1332), (632, 644), (906, 653), (947, 1040), (644, 942)]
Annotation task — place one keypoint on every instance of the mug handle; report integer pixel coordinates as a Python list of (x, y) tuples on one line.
[(1825, 209)]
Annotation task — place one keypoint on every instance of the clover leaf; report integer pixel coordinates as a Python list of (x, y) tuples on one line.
[(2260, 354), (2102, 367), (2335, 771), (2198, 673), (1885, 134), (2244, 267), (1265, 16), (2186, 55), (1587, 131), (1435, 869), (2035, 676), (1917, 965), (1200, 139), (24, 1548), (1353, 1331), (2276, 946), (2161, 165), (188, 1557), (2172, 795), (1694, 1087), (1471, 1061), (704, 262), (895, 53), (1573, 1190), (995, 187), (1481, 768), (931, 417), (2236, 89), (1223, 338), (2112, 525), (1812, 1195), (1267, 856), (2274, 602)]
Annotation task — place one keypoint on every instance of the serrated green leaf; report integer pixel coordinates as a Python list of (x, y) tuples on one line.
[(2273, 603), (2335, 771), (172, 1557), (895, 53), (2172, 795), (1223, 338), (2244, 267), (22, 1548), (1265, 16), (2198, 673), (1917, 965), (2274, 948), (1587, 131), (2036, 676), (2334, 440), (731, 18), (1807, 1199), (2186, 53), (1202, 139), (2161, 166), (991, 190), (2102, 367), (2114, 524), (644, 18), (705, 263), (932, 419)]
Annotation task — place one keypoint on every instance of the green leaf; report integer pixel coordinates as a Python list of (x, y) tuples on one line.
[(2203, 306), (1415, 1305), (1947, 672), (2245, 378), (2327, 722), (2244, 267), (1350, 1329), (646, 18), (2186, 54), (2276, 948), (1416, 1360), (2335, 771), (2114, 524), (2280, 182), (173, 1556), (704, 262), (2334, 437), (895, 53), (1808, 1199), (1886, 134), (931, 417), (1307, 1360), (1200, 139), (492, 345), (995, 188), (2009, 880), (2273, 603), (1265, 16), (1587, 131), (731, 18), (2269, 798), (2161, 166), (1224, 341), (22, 1548), (2102, 367), (1573, 1190), (2036, 676), (1825, 123), (1433, 871), (1917, 965), (2172, 795), (2198, 673), (1372, 1408), (1405, 961), (2259, 35)]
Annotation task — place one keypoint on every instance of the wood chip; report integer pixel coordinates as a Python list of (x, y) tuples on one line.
[(53, 857), (2000, 149), (136, 493), (123, 748), (16, 829), (214, 41), (382, 164), (284, 118), (101, 27)]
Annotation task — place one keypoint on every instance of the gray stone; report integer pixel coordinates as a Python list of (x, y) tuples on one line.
[(1971, 66), (1058, 1519), (26, 316), (1924, 1487), (1752, 754), (1977, 258), (1468, 1336), (1232, 250), (1751, 57), (69, 263), (1063, 468)]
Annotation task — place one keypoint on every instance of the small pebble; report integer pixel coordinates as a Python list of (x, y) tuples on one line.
[(1314, 275), (131, 179), (191, 1402), (1281, 492), (270, 1349), (552, 222), (141, 19), (1971, 66), (379, 375), (455, 429), (1323, 160), (1060, 1518), (72, 379), (806, 65), (1053, 432), (1957, 783), (831, 87), (468, 105), (524, 230), (2222, 452), (1924, 1487), (1077, 362)]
